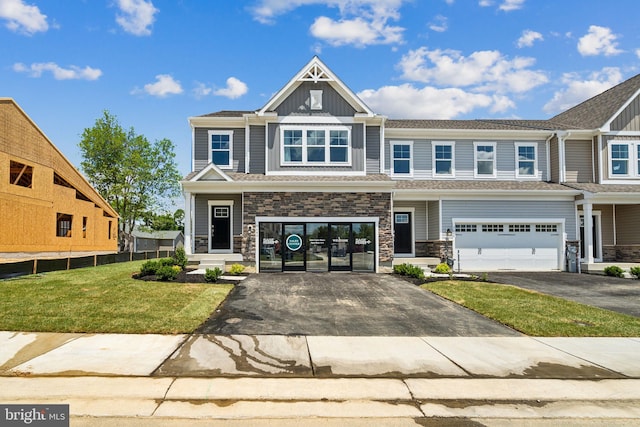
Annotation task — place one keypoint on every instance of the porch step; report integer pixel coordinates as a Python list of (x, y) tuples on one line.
[(204, 261), (212, 264)]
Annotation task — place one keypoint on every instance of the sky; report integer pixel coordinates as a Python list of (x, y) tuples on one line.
[(154, 63)]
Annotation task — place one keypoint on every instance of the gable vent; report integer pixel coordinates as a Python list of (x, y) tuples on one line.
[(315, 74)]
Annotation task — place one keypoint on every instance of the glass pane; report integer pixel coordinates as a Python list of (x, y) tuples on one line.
[(485, 167), (526, 153), (525, 168), (270, 246), (444, 152), (221, 157), (292, 137), (484, 152), (619, 167), (219, 142), (364, 246), (443, 167), (340, 252), (315, 154), (401, 166), (619, 151), (401, 152), (315, 137), (338, 154), (317, 247), (339, 137), (292, 154), (293, 246)]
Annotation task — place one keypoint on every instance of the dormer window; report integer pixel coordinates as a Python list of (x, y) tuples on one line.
[(221, 148), (315, 145), (315, 97)]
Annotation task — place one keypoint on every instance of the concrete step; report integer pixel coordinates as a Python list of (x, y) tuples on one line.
[(212, 264)]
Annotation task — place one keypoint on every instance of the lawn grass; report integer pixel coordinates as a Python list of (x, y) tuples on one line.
[(105, 299), (534, 313)]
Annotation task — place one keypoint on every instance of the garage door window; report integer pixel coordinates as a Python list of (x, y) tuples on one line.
[(466, 228), (492, 228), (519, 228), (546, 228)]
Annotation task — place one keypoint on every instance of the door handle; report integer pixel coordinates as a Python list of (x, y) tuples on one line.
[(533, 251), (479, 251)]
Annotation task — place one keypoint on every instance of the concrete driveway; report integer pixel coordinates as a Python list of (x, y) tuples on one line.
[(611, 293), (339, 304)]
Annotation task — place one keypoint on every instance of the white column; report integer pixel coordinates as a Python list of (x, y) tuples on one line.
[(188, 242), (587, 210)]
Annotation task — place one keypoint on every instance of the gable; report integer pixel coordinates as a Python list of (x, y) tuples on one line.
[(629, 118), (299, 102)]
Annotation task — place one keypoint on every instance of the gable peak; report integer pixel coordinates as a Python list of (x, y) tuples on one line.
[(315, 73)]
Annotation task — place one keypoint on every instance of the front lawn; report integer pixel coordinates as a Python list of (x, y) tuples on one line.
[(534, 313), (105, 299)]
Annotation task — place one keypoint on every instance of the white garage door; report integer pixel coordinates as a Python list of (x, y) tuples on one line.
[(508, 246)]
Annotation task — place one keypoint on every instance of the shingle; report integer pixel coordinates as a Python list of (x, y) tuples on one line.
[(605, 188), (468, 185), (228, 113), (307, 178), (479, 124)]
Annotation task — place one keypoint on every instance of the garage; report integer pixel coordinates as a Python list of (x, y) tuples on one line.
[(499, 245)]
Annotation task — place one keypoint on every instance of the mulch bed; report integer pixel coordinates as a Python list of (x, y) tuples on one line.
[(183, 277)]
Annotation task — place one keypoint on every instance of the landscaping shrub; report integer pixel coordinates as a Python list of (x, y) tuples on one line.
[(212, 276), (180, 257), (442, 268), (614, 270), (167, 272), (635, 272), (149, 268), (409, 270), (166, 262), (236, 269)]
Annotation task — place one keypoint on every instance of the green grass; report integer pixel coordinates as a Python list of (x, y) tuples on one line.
[(534, 313), (105, 299)]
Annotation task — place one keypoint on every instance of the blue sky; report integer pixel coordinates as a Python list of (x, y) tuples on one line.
[(154, 63)]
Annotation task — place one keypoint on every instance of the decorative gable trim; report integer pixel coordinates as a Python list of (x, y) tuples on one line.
[(606, 127), (211, 170)]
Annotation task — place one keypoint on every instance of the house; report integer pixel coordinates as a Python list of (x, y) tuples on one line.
[(161, 240), (316, 181), (47, 206)]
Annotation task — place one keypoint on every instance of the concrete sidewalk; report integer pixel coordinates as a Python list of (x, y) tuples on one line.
[(215, 377)]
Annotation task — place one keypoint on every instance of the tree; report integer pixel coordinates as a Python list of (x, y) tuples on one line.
[(165, 221), (131, 173)]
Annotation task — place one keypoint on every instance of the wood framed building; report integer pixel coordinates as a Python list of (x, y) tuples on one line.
[(46, 204)]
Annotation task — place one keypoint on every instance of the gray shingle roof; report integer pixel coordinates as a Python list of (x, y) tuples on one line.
[(440, 185), (228, 113), (605, 188), (472, 124), (244, 177)]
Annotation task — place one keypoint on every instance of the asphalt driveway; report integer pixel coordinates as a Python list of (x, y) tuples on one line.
[(339, 304), (611, 293)]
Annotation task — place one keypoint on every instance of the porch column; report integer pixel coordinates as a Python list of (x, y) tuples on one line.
[(587, 210), (188, 243)]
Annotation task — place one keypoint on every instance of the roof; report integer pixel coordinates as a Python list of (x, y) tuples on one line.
[(228, 113), (596, 111), (160, 234), (478, 124), (454, 185), (605, 188), (307, 178)]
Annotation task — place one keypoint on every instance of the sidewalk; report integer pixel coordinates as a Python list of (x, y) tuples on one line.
[(163, 377)]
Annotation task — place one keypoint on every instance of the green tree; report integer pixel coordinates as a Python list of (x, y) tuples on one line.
[(131, 173), (165, 221)]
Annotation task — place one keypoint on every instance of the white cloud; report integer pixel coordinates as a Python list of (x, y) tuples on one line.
[(579, 89), (598, 41), (357, 32), (638, 53), (164, 86), (485, 3), (482, 70), (59, 73), (235, 89), (136, 17), (439, 24), (528, 38), (23, 18), (509, 5)]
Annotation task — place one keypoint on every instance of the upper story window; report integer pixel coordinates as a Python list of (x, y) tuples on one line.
[(619, 159), (221, 148), (526, 160), (443, 158), (20, 174), (313, 145), (485, 159), (402, 158)]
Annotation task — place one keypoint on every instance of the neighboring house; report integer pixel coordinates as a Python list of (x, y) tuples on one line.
[(45, 203), (316, 181), (165, 240)]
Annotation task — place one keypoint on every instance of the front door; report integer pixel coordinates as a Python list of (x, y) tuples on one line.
[(340, 255), (294, 253), (403, 234), (220, 238)]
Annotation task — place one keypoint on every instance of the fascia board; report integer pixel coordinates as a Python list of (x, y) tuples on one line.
[(217, 121)]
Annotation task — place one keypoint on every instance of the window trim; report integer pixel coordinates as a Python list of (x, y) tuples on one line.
[(633, 158), (494, 164), (435, 144), (327, 145), (535, 160), (210, 150), (392, 144)]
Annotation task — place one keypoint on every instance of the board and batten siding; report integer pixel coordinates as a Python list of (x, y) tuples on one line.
[(298, 102), (510, 209), (419, 216), (201, 225), (372, 135), (629, 118), (357, 151), (201, 148), (578, 162), (257, 149), (627, 225)]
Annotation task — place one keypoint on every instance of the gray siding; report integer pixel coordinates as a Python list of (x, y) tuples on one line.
[(201, 148), (257, 149), (554, 158), (201, 214), (373, 149), (433, 217), (419, 216), (298, 104), (578, 164), (629, 118), (606, 222), (628, 224), (357, 151), (490, 209)]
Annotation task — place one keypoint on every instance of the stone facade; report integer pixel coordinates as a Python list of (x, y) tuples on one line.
[(627, 253), (289, 204)]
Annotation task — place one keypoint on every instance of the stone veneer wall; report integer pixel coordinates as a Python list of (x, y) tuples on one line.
[(289, 204), (628, 253), (201, 244)]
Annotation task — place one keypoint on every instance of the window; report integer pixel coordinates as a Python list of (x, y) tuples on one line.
[(402, 158), (109, 230), (443, 154), (84, 227), (315, 145), (315, 97), (492, 228), (619, 154), (519, 228), (20, 174), (546, 228), (402, 218), (221, 148), (485, 159), (63, 225), (221, 212), (466, 228), (526, 161)]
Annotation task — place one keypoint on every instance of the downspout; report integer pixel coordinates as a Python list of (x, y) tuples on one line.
[(562, 138), (600, 168), (547, 146)]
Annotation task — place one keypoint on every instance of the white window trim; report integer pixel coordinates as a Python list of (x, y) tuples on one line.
[(477, 144), (453, 159), (535, 160), (210, 133), (632, 160), (392, 144), (327, 146)]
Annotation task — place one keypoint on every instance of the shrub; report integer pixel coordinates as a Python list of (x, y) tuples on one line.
[(236, 269), (149, 268), (442, 268), (614, 270), (212, 276), (409, 270), (635, 272), (167, 272), (166, 262), (180, 257)]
